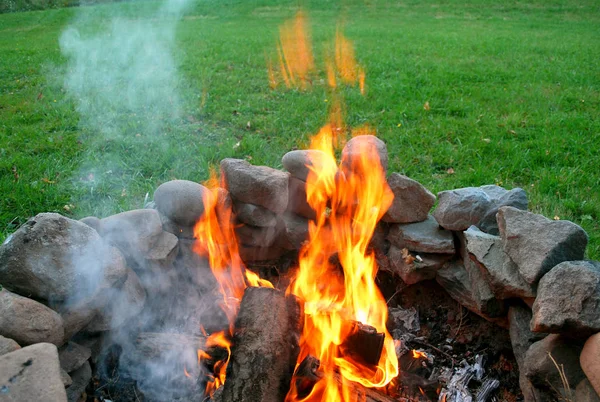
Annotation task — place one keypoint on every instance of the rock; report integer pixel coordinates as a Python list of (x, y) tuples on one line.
[(72, 356), (298, 162), (458, 209), (541, 370), (536, 243), (517, 197), (27, 321), (590, 361), (584, 392), (423, 237), (295, 231), (568, 299), (361, 146), (254, 236), (521, 337), (80, 380), (92, 222), (181, 231), (254, 215), (259, 185), (8, 345), (76, 317), (66, 378), (125, 303), (379, 239), (297, 203), (32, 374), (164, 251), (133, 232), (413, 268), (53, 257), (181, 201), (412, 201), (249, 254), (501, 272)]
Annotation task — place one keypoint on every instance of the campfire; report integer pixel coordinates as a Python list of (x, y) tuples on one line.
[(330, 280)]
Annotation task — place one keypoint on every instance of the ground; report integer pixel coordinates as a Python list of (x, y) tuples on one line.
[(512, 90)]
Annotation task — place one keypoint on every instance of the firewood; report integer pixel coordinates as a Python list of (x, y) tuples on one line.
[(265, 347), (363, 343)]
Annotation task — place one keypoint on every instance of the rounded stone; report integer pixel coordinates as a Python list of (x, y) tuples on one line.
[(181, 201), (590, 361)]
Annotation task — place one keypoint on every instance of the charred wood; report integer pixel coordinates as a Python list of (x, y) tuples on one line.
[(363, 343)]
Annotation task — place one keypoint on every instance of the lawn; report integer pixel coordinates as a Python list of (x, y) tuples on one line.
[(89, 125)]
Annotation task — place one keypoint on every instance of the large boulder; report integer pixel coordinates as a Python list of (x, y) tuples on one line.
[(300, 162), (52, 257), (32, 374), (133, 232), (365, 146), (8, 345), (259, 185), (423, 237), (297, 203), (568, 299), (412, 201), (254, 215), (458, 209), (181, 201), (27, 321), (536, 244)]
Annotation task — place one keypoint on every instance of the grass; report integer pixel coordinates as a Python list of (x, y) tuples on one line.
[(513, 89)]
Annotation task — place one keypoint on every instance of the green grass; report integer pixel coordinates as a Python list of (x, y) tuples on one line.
[(513, 89)]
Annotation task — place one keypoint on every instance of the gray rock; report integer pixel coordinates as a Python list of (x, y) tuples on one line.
[(254, 236), (66, 378), (8, 345), (181, 231), (80, 380), (423, 237), (458, 209), (568, 299), (541, 370), (249, 254), (363, 145), (295, 231), (76, 317), (32, 374), (164, 251), (297, 203), (181, 201), (92, 222), (517, 197), (521, 337), (54, 258), (298, 162), (536, 243), (254, 215), (501, 272), (413, 268), (259, 185), (133, 232), (584, 392), (27, 321), (72, 356), (125, 303), (590, 361), (412, 201)]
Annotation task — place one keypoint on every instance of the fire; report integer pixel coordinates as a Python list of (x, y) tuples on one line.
[(296, 60), (346, 66), (418, 354), (216, 240), (349, 202)]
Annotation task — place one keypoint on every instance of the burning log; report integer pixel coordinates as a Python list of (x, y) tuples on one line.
[(364, 343), (265, 347)]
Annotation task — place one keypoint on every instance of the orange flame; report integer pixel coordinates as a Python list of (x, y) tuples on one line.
[(346, 67), (295, 53), (215, 239), (418, 354), (349, 201)]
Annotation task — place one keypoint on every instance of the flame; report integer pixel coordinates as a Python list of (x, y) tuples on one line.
[(296, 60), (349, 201), (418, 354), (216, 240), (344, 64)]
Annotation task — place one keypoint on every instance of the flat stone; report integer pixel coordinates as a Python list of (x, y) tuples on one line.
[(254, 236), (362, 146), (590, 361), (164, 250), (133, 232), (92, 222), (541, 370), (125, 303), (423, 237), (181, 201), (521, 336), (414, 268), (501, 272), (458, 209), (72, 356), (254, 215), (27, 321), (52, 257), (66, 378), (8, 345), (295, 231), (31, 374), (80, 380), (300, 162), (536, 244), (568, 299), (412, 201), (517, 198), (259, 185), (297, 203)]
